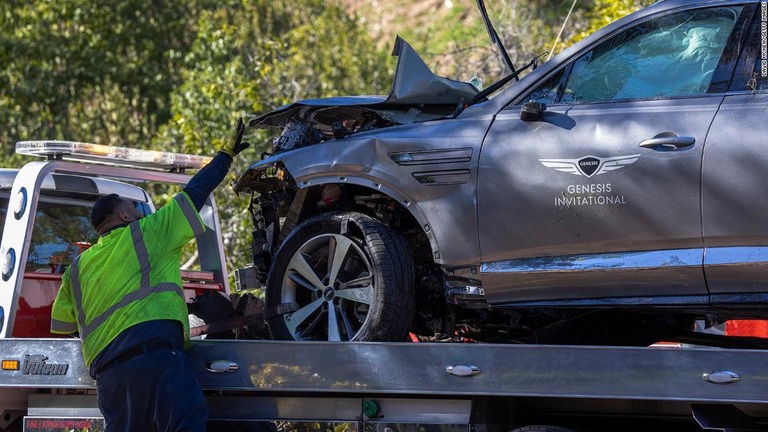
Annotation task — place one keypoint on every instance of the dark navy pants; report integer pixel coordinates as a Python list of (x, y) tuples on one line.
[(155, 391)]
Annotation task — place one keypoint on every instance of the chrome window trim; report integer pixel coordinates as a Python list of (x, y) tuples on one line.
[(713, 256), (597, 262), (736, 255)]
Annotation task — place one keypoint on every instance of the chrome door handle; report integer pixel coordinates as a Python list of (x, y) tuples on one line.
[(668, 140), (219, 366)]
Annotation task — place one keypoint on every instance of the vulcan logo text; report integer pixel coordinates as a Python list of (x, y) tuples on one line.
[(36, 365)]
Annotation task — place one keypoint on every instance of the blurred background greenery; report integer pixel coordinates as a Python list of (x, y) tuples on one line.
[(175, 75)]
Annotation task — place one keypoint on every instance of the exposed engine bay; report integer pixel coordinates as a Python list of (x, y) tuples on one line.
[(417, 95)]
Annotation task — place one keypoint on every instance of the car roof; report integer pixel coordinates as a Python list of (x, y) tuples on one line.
[(81, 184)]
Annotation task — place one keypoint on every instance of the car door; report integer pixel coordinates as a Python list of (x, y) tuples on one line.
[(735, 173), (599, 199)]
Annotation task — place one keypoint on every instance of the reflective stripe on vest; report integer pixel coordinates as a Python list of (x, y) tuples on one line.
[(190, 213), (63, 326), (144, 291), (77, 293), (141, 252)]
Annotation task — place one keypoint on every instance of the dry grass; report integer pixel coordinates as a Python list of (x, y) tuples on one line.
[(386, 18), (425, 24)]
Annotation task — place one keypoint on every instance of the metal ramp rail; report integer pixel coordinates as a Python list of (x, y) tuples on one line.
[(418, 383)]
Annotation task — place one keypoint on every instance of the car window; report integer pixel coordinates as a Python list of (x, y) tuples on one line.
[(672, 55), (62, 231), (549, 91)]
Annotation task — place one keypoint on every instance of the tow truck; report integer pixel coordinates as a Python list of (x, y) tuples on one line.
[(343, 386)]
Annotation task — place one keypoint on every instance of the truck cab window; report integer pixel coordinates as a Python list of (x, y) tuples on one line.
[(62, 231)]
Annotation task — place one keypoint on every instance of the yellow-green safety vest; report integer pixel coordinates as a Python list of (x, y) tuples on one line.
[(131, 275)]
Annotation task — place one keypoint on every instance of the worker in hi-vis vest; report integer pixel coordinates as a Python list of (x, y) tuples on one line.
[(124, 297)]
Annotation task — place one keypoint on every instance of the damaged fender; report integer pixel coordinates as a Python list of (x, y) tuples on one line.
[(440, 174)]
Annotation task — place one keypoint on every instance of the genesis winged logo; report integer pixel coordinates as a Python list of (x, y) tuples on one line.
[(590, 165)]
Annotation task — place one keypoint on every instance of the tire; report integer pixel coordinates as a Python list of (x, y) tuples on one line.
[(371, 294)]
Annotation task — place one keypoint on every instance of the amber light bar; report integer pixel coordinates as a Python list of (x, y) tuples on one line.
[(111, 155)]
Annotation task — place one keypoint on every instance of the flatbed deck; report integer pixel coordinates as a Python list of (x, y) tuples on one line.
[(420, 369), (410, 383)]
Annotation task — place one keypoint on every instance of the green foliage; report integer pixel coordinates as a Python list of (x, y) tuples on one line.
[(455, 43), (174, 75), (604, 12), (535, 24), (531, 27), (75, 70), (264, 55)]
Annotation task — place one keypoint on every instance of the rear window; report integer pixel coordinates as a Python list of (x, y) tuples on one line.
[(62, 231)]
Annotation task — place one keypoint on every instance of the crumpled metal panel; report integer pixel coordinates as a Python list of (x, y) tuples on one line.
[(414, 84), (429, 168)]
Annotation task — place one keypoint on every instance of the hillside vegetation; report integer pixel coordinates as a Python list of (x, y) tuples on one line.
[(451, 36), (176, 75)]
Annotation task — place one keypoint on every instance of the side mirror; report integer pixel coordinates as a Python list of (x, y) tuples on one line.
[(532, 111)]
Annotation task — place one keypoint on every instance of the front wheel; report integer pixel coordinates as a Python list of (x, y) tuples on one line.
[(341, 277)]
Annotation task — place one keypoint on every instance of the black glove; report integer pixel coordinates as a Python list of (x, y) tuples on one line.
[(234, 144)]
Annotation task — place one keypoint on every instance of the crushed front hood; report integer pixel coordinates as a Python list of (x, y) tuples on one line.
[(417, 95), (416, 84)]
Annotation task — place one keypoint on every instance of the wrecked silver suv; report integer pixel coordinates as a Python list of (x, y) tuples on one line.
[(615, 194)]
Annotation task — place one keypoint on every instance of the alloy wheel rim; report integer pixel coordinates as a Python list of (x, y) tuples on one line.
[(331, 279)]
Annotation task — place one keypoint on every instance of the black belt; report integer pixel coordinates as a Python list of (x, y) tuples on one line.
[(136, 351)]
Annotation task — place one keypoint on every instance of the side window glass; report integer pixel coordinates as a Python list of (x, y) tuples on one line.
[(673, 55), (62, 231), (547, 92)]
